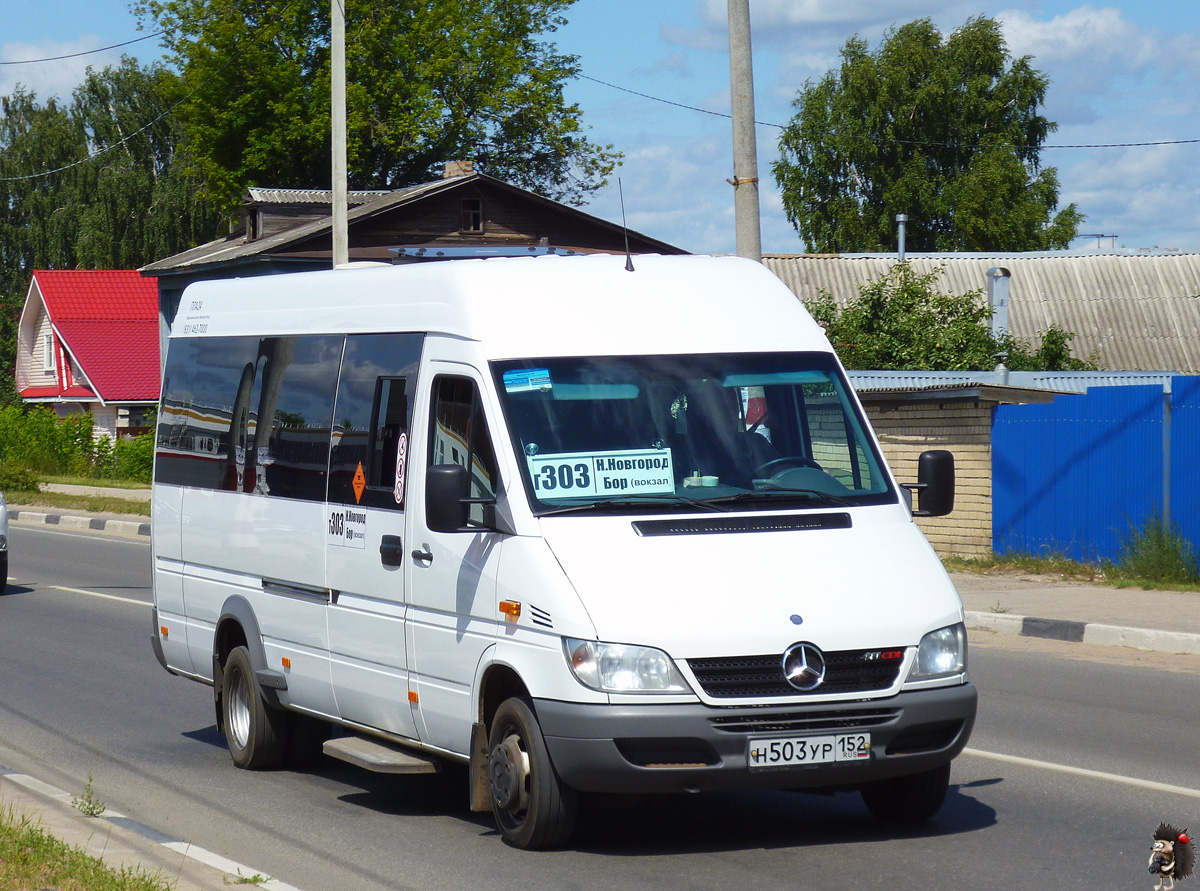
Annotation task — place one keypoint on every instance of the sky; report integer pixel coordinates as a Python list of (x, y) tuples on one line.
[(1121, 72)]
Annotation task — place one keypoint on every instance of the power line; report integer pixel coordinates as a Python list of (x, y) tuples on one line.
[(720, 114), (102, 49), (233, 58)]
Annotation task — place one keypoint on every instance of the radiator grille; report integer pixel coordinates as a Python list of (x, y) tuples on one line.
[(846, 671)]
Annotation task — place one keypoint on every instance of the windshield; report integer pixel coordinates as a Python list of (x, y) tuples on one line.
[(688, 432)]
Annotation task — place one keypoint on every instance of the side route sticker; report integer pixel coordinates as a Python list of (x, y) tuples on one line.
[(584, 474), (347, 528)]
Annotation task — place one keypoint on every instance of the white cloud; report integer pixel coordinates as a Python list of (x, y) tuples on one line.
[(1094, 45), (57, 78), (675, 63)]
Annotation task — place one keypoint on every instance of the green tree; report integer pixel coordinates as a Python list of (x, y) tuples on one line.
[(141, 201), (946, 131), (427, 81), (98, 184), (901, 322)]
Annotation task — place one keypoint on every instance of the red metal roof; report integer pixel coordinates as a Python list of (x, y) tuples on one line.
[(108, 320)]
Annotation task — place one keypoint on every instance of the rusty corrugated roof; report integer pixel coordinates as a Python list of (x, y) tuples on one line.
[(1134, 312)]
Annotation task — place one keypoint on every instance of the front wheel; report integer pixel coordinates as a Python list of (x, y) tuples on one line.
[(255, 732), (533, 808), (910, 799)]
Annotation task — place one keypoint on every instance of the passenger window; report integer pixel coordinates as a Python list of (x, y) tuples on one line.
[(248, 414), (295, 387), (459, 435), (372, 419), (208, 411)]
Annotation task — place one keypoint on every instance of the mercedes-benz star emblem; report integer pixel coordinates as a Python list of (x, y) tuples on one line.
[(804, 666)]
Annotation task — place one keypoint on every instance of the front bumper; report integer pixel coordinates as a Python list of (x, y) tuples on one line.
[(675, 748)]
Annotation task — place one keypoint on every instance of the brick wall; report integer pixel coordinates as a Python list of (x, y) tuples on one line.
[(964, 428)]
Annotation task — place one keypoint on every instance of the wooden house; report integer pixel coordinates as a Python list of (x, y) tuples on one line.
[(289, 230), (88, 342)]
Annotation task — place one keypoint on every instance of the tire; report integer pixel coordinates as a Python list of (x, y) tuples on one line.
[(910, 799), (255, 732), (533, 808)]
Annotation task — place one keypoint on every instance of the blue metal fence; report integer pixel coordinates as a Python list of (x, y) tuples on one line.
[(1073, 476), (1185, 456)]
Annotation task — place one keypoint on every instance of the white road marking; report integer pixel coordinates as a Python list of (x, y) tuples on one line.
[(98, 594), (1084, 772)]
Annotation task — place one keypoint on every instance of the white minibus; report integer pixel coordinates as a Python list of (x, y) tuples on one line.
[(580, 528)]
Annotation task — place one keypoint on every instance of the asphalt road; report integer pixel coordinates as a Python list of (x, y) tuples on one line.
[(82, 695)]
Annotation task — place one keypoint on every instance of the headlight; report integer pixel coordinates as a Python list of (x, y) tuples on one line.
[(623, 668), (942, 653)]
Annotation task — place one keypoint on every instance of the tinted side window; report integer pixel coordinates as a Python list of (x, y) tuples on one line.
[(459, 435), (249, 414), (296, 382), (206, 412), (373, 417)]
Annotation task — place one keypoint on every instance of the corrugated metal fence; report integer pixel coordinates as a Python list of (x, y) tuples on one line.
[(1075, 475)]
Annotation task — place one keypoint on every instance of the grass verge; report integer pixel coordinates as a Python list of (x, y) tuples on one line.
[(94, 504), (32, 859), (1062, 567)]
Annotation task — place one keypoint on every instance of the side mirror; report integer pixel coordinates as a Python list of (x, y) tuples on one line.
[(935, 483), (445, 494)]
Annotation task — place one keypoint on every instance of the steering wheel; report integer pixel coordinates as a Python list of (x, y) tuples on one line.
[(778, 465)]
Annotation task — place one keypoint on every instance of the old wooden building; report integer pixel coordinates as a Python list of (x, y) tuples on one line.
[(289, 230)]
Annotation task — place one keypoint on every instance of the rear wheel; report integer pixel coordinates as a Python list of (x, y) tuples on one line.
[(255, 732), (909, 799), (533, 808)]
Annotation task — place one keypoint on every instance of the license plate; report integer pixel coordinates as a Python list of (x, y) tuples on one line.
[(797, 751)]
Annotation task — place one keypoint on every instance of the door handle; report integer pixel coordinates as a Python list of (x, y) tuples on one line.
[(423, 555), (391, 550)]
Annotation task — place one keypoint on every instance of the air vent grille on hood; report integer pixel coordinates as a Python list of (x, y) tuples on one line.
[(758, 523)]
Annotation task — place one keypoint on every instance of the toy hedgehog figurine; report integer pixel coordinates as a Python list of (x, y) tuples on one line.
[(1173, 857)]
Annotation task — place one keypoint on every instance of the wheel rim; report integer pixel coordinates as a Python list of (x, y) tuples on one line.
[(508, 769), (237, 712)]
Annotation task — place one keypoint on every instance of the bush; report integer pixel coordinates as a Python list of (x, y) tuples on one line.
[(17, 479), (39, 442), (1158, 552)]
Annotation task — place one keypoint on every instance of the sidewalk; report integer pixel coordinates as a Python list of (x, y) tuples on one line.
[(1040, 606)]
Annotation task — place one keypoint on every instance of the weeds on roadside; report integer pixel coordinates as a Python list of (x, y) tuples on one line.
[(1157, 552), (32, 858), (89, 805)]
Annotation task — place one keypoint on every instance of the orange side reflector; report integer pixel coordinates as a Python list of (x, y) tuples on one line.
[(287, 662), (510, 608), (163, 629), (412, 695)]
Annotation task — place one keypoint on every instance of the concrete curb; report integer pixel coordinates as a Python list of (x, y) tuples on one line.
[(127, 528), (1086, 632), (124, 843)]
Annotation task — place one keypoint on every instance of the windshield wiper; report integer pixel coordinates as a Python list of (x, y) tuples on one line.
[(646, 500), (775, 492)]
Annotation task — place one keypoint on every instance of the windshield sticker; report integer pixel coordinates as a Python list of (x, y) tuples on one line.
[(524, 380), (587, 474)]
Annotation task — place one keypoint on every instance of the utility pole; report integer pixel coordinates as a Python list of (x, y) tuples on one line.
[(341, 234), (745, 148)]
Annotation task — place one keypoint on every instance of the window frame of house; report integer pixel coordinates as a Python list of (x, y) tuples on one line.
[(48, 364), (472, 216)]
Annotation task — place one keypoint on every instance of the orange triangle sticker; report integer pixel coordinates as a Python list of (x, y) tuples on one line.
[(360, 483)]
